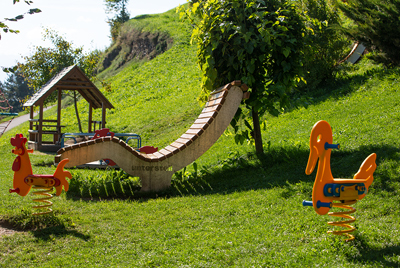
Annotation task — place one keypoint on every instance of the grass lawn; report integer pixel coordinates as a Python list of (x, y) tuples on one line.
[(232, 208)]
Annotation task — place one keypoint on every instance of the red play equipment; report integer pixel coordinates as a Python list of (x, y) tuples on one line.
[(105, 132), (24, 179)]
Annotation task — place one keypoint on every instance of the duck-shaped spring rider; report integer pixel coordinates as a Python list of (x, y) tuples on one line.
[(329, 192), (24, 179)]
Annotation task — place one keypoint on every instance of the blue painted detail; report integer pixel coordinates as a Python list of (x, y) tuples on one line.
[(307, 203), (334, 189), (331, 146), (131, 136), (324, 204)]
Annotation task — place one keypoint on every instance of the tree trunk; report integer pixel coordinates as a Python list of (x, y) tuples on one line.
[(76, 112), (257, 131)]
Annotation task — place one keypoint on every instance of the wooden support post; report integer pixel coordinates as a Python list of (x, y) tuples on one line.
[(59, 109), (57, 137), (90, 118), (40, 129), (31, 117), (103, 116)]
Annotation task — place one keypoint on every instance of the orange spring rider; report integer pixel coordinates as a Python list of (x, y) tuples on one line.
[(329, 192), (24, 180)]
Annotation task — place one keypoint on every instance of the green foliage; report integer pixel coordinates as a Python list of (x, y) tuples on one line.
[(233, 208), (15, 89), (7, 29), (257, 42), (121, 16), (377, 26), (103, 184), (44, 63), (325, 45)]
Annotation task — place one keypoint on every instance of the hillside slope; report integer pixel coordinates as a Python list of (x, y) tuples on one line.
[(240, 210)]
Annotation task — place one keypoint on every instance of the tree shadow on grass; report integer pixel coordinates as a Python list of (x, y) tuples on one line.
[(282, 167), (344, 85)]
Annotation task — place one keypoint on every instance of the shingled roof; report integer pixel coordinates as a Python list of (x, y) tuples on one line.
[(71, 78)]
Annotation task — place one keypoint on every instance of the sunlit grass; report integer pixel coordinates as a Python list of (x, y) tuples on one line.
[(231, 208)]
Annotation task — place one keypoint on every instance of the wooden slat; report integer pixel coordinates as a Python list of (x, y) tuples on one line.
[(204, 121), (172, 149), (215, 102), (152, 157), (237, 83), (195, 131), (200, 126), (99, 140), (246, 95), (73, 87), (179, 146), (189, 137), (186, 142), (72, 82), (220, 94), (144, 157), (166, 153), (160, 156), (91, 142), (207, 115), (214, 108)]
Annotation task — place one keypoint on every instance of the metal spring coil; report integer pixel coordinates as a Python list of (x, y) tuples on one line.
[(345, 223), (46, 192)]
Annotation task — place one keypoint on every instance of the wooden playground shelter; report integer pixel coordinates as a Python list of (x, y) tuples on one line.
[(70, 78)]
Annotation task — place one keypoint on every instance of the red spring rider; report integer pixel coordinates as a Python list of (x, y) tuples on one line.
[(24, 179)]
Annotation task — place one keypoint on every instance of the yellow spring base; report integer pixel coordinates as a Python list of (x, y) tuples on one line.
[(346, 223), (43, 191)]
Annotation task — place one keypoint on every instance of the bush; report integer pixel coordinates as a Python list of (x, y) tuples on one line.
[(325, 44), (377, 26)]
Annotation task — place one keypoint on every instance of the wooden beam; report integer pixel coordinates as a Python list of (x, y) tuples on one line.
[(74, 87), (31, 117), (103, 116), (59, 108), (72, 82), (40, 125), (90, 118)]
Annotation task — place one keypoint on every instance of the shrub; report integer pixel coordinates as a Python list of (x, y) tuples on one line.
[(377, 26), (325, 44)]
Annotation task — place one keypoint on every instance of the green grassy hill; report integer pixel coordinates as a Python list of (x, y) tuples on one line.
[(231, 209)]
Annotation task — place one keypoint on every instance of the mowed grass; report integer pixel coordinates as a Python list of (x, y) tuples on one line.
[(235, 209)]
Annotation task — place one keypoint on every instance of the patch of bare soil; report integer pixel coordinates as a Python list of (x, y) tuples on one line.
[(6, 229)]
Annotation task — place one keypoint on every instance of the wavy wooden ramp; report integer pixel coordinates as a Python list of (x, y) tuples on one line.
[(155, 170)]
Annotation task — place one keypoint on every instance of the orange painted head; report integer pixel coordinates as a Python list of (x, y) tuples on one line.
[(320, 134)]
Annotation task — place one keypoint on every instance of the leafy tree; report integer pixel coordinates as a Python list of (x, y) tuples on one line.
[(44, 63), (376, 25), (7, 29), (256, 41), (325, 44), (121, 16), (16, 90)]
